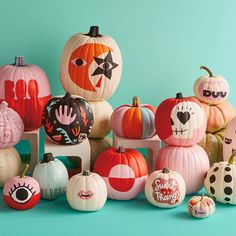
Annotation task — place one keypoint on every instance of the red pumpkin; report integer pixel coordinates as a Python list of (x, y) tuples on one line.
[(124, 170), (26, 90), (180, 121)]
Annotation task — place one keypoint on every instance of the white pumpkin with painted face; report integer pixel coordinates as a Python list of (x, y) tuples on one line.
[(86, 191), (211, 89), (229, 144)]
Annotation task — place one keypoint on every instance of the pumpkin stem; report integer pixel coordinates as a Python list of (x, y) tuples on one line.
[(67, 95), (85, 172), (231, 159), (207, 69), (94, 32), (47, 157), (3, 106), (24, 170), (136, 101), (202, 197), (19, 61), (166, 171), (121, 149), (179, 96)]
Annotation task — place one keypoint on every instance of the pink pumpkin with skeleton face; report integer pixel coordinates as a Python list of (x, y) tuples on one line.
[(180, 121), (11, 126)]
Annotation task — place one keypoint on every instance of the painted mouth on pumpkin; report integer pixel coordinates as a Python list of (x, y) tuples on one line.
[(233, 150), (57, 137), (181, 131), (228, 140), (85, 194)]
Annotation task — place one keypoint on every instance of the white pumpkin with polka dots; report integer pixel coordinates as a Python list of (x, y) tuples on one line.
[(220, 181)]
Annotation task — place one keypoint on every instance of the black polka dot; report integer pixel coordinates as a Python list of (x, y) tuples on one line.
[(228, 190), (217, 168), (228, 178), (227, 168), (212, 179), (227, 199), (212, 190)]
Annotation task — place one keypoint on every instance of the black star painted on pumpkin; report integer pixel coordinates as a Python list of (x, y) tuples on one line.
[(105, 66)]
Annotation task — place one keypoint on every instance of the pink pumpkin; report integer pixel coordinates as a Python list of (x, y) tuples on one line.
[(180, 121), (135, 122), (11, 126), (190, 162)]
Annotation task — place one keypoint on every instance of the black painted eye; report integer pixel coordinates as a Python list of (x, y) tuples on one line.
[(106, 65), (21, 193), (79, 62)]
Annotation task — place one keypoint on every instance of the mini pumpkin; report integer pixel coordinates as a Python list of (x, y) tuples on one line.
[(190, 162), (229, 145), (102, 111), (213, 145), (165, 188), (220, 181), (10, 164), (86, 191), (21, 192), (218, 116), (67, 120), (26, 90), (135, 122), (11, 126), (124, 171), (52, 177), (201, 206), (211, 89), (91, 65), (180, 121)]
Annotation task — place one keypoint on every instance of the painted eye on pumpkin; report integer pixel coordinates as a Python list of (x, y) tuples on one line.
[(21, 193), (228, 140), (79, 62)]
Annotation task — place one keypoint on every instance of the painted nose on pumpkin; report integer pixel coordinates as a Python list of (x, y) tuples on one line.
[(183, 116)]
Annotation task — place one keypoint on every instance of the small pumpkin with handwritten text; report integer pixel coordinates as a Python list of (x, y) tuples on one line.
[(165, 188), (67, 120)]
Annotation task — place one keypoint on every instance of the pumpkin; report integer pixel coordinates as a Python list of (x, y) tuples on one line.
[(86, 191), (134, 122), (220, 181), (218, 116), (201, 206), (26, 90), (211, 89), (180, 121), (124, 170), (21, 192), (52, 177), (190, 162), (213, 145), (91, 65), (97, 146), (165, 188), (67, 120), (10, 164), (11, 126), (229, 144)]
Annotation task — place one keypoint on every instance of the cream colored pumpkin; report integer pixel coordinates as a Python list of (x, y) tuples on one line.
[(91, 65), (213, 145), (97, 147), (86, 191), (10, 164), (102, 112)]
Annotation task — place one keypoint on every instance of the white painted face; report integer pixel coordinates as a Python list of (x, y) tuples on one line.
[(186, 117)]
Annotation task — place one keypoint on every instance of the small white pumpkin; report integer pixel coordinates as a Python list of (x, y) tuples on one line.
[(86, 191), (52, 176), (201, 206), (10, 164), (220, 181), (165, 188)]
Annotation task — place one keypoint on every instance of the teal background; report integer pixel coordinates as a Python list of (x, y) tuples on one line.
[(163, 44)]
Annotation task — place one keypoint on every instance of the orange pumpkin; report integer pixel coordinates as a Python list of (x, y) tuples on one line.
[(218, 116), (213, 145)]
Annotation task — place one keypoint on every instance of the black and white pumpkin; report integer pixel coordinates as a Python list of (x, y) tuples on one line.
[(67, 120), (220, 181)]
